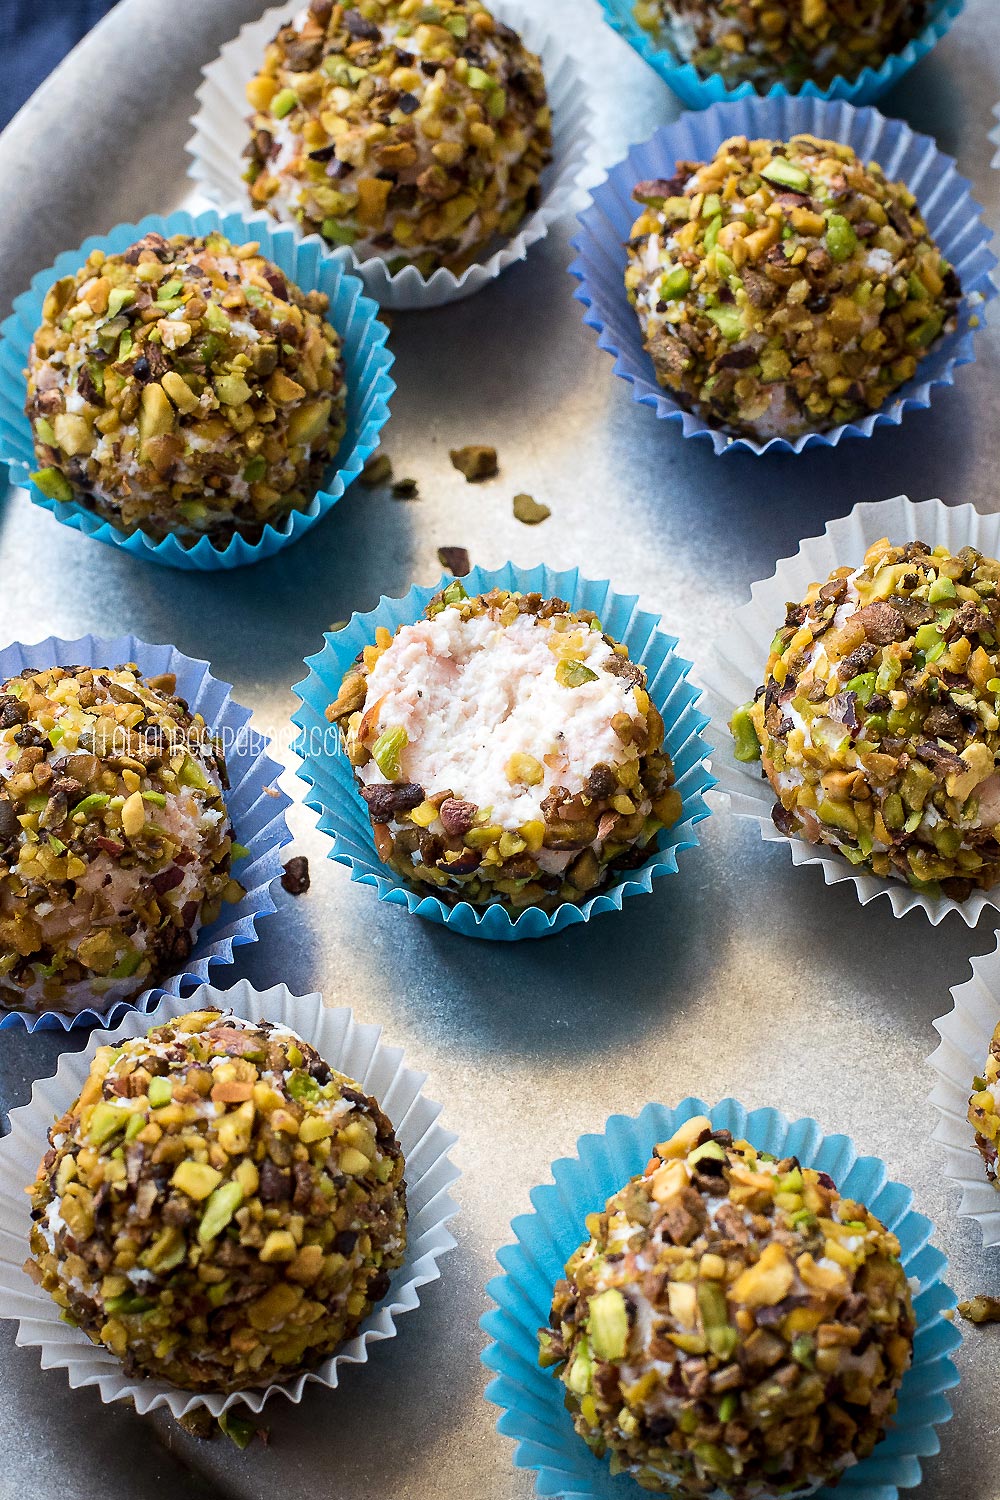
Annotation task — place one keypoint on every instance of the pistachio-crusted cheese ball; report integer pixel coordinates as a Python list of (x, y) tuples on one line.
[(784, 287), (219, 1208), (185, 387), (878, 718), (782, 41), (115, 842), (411, 130), (507, 750), (732, 1326), (984, 1109)]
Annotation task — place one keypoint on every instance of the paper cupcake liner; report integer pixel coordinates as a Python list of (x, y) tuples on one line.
[(349, 1047), (698, 92), (367, 361), (258, 819), (966, 1033), (737, 668), (344, 816), (532, 1410), (945, 199), (220, 134)]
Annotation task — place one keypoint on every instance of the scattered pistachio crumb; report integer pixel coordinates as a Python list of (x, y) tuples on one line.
[(378, 470), (476, 462), (339, 625), (240, 1431), (981, 1309), (455, 559), (198, 1424), (529, 510), (405, 489)]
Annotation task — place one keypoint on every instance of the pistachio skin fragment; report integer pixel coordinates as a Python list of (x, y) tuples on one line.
[(244, 1230), (878, 718), (706, 1329), (785, 287)]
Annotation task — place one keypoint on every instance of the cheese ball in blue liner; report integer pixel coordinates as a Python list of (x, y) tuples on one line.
[(731, 1323), (785, 287), (538, 1410), (289, 481), (115, 840), (827, 49), (507, 751), (346, 815), (158, 901), (944, 209), (185, 387)]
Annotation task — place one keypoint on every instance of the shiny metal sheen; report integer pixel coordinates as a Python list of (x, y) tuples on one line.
[(742, 975)]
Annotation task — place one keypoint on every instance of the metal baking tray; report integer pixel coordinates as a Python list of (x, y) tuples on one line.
[(740, 975)]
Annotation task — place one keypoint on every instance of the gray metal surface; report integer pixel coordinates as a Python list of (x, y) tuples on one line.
[(739, 976)]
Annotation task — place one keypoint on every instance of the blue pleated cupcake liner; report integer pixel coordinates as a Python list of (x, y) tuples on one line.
[(366, 358), (951, 214), (698, 92), (257, 816), (344, 816), (531, 1399)]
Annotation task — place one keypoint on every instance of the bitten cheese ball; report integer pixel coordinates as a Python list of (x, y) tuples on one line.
[(782, 41), (115, 841), (507, 751), (731, 1326), (185, 388), (219, 1207), (413, 131), (784, 287), (984, 1109), (878, 721)]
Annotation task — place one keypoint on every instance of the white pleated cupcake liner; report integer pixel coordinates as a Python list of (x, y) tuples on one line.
[(221, 133), (346, 1045), (737, 666), (966, 1033)]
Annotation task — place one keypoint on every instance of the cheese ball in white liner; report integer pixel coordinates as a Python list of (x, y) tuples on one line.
[(878, 720), (115, 841), (219, 1207), (415, 132), (507, 750)]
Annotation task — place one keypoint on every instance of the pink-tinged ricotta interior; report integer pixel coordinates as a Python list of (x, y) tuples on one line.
[(471, 694)]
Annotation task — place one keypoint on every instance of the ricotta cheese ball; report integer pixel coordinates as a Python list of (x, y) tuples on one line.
[(782, 41), (731, 1326), (784, 287), (220, 1208), (115, 841), (186, 388), (878, 722), (984, 1109), (507, 751), (412, 131)]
